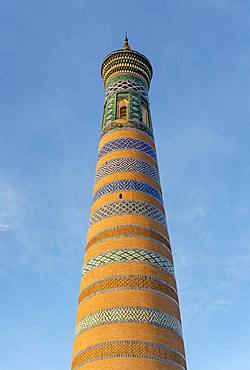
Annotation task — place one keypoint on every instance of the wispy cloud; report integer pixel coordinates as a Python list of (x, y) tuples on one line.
[(5, 227), (35, 235), (210, 261), (10, 206)]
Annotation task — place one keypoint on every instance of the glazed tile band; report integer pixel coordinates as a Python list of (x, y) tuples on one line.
[(129, 255), (127, 165), (130, 315), (128, 207), (128, 185), (133, 231), (126, 85), (127, 282), (128, 125), (127, 348), (125, 143)]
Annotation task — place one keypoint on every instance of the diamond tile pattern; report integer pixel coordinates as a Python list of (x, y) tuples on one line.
[(129, 255), (110, 110), (126, 85), (127, 165), (125, 143), (128, 207), (126, 185)]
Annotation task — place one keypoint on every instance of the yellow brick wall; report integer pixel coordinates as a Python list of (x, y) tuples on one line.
[(101, 330)]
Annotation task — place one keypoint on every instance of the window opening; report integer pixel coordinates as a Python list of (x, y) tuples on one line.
[(122, 109), (123, 112), (145, 114)]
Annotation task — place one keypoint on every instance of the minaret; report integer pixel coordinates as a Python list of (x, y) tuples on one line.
[(128, 313)]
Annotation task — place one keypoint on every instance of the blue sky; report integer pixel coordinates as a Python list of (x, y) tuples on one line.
[(51, 99)]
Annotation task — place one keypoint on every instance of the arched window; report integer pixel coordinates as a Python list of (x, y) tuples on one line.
[(144, 110), (122, 109)]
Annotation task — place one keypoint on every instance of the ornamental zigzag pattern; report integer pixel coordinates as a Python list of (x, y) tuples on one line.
[(127, 165), (129, 255), (128, 207), (128, 348), (127, 282), (125, 231), (126, 185), (127, 143), (129, 314)]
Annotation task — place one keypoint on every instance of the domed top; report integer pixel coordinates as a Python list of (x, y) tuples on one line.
[(126, 62)]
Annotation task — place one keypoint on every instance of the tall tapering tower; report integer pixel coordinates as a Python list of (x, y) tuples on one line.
[(128, 312)]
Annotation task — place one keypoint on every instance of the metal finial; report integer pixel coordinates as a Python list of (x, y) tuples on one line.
[(126, 44)]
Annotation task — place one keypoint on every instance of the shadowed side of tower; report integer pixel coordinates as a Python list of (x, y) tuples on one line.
[(128, 312)]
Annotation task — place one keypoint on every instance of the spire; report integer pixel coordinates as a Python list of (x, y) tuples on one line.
[(126, 44)]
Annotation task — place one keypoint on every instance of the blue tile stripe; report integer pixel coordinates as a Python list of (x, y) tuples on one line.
[(126, 143), (128, 185), (128, 207), (127, 165)]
